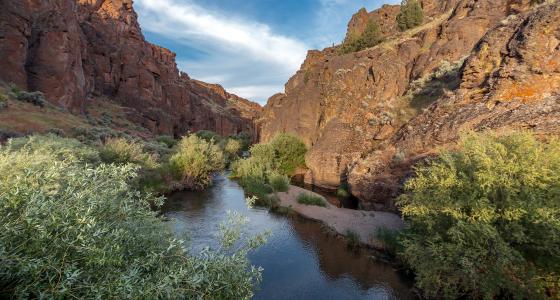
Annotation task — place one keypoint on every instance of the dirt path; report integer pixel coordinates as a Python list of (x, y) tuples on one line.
[(342, 220)]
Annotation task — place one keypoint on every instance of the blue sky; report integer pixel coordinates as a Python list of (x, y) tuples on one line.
[(251, 47)]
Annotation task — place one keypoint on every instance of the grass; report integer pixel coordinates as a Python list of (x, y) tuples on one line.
[(279, 183), (353, 238), (256, 187), (309, 199), (389, 239), (25, 117)]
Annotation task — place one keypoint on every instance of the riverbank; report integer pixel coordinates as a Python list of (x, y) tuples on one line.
[(364, 224)]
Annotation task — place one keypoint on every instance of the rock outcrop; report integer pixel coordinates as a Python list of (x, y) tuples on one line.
[(510, 82), (354, 113), (76, 51)]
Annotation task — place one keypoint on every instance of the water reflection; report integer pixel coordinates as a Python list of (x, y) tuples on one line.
[(300, 260)]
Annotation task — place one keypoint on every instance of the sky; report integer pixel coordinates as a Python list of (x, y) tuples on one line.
[(251, 47)]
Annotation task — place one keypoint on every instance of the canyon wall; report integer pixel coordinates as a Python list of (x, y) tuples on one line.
[(76, 51), (354, 110)]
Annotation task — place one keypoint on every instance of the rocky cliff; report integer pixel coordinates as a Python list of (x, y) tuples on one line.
[(76, 51), (367, 116)]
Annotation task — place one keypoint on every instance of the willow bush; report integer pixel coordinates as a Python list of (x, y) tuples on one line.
[(484, 221), (270, 165), (195, 161), (123, 151), (74, 228)]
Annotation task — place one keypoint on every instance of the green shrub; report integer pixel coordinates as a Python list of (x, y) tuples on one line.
[(61, 148), (411, 15), (279, 183), (3, 101), (167, 140), (71, 230), (249, 168), (35, 98), (232, 149), (258, 188), (270, 165), (484, 221), (342, 191), (209, 136), (195, 161), (160, 149), (245, 139), (57, 131), (371, 37), (122, 151), (353, 238), (289, 153), (95, 135), (310, 199), (389, 239)]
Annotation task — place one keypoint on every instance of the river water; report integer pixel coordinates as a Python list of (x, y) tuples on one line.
[(300, 260)]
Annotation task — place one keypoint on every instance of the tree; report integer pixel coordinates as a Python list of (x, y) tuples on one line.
[(411, 15), (371, 37), (195, 161), (484, 221)]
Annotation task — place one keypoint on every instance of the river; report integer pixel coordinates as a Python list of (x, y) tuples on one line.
[(300, 259)]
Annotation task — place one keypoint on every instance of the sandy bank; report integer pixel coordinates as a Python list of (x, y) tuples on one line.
[(342, 220)]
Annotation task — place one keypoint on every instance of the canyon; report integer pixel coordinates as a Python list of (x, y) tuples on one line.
[(78, 52), (369, 116)]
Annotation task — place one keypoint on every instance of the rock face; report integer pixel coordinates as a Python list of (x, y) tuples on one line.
[(510, 82), (78, 50), (353, 112)]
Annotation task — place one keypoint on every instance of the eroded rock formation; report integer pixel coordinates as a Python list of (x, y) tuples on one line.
[(76, 51), (510, 82), (354, 113)]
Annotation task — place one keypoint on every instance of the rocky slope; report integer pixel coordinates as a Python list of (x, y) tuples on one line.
[(510, 82), (76, 51), (363, 123)]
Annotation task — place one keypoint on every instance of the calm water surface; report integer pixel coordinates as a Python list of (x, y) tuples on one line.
[(300, 260)]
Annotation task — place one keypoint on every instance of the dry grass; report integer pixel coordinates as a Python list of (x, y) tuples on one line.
[(26, 117)]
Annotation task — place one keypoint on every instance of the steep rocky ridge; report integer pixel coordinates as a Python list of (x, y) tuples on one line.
[(76, 51), (510, 82), (347, 106)]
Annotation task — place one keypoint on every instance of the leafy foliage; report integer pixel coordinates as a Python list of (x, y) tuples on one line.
[(281, 157), (3, 101), (35, 98), (279, 182), (342, 191), (484, 221), (122, 151), (411, 15), (169, 141), (310, 199), (195, 161), (371, 37), (289, 153), (71, 229), (209, 136), (232, 149)]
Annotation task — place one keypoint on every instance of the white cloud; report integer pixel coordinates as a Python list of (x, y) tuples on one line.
[(246, 57), (235, 50)]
